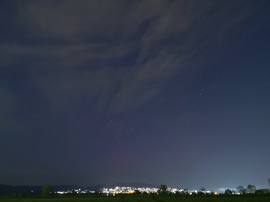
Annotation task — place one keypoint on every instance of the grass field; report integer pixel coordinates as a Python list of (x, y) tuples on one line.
[(143, 198)]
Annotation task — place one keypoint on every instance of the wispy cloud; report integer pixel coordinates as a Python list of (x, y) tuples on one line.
[(117, 51)]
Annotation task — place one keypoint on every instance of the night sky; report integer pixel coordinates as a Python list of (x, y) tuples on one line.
[(160, 92)]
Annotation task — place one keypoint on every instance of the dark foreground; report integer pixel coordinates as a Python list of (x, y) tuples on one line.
[(143, 198)]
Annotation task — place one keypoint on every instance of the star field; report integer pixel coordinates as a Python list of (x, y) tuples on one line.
[(161, 92)]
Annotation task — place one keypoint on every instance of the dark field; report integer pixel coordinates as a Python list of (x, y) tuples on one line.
[(143, 198)]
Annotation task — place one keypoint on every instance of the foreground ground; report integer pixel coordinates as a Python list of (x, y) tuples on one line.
[(143, 198)]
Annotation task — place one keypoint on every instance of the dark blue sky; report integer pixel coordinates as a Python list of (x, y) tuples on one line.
[(173, 92)]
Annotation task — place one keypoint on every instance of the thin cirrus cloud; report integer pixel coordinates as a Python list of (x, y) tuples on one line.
[(119, 52)]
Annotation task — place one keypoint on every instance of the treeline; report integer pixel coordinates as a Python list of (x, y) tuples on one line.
[(250, 189)]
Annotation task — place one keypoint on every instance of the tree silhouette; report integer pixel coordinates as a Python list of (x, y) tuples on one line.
[(251, 189), (240, 189), (202, 189), (45, 192), (163, 189), (228, 191)]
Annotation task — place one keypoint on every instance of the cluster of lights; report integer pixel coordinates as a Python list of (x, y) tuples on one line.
[(133, 190), (75, 191), (148, 190), (118, 190)]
